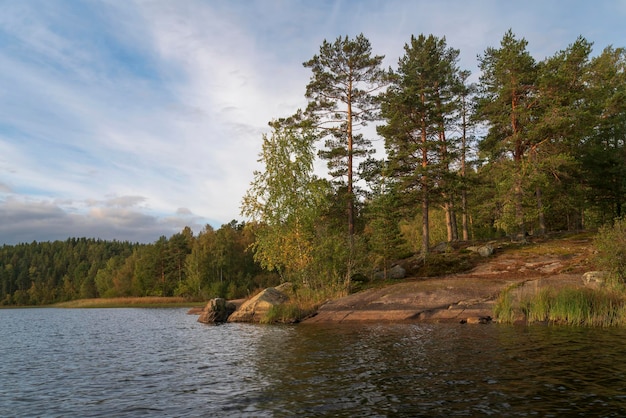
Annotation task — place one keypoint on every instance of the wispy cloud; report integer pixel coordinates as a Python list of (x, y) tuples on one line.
[(132, 119)]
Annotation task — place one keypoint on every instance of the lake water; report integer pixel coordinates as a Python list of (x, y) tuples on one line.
[(161, 362)]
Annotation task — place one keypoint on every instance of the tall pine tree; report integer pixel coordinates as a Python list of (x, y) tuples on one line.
[(418, 107), (341, 92), (506, 100)]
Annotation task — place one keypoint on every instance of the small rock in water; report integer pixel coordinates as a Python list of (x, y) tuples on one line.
[(476, 320)]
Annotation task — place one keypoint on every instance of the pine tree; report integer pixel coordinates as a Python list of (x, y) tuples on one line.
[(341, 96), (418, 107), (506, 102)]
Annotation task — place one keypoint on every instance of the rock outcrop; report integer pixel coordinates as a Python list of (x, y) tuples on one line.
[(255, 309), (216, 311), (467, 297)]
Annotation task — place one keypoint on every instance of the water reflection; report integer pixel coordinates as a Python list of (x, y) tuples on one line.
[(163, 363), (442, 370)]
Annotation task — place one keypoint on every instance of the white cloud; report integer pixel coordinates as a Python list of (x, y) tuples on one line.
[(130, 120)]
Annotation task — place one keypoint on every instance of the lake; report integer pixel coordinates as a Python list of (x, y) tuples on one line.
[(161, 362)]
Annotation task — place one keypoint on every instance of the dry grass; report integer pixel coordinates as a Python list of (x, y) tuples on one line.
[(130, 302)]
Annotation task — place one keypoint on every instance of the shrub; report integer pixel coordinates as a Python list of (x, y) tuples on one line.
[(610, 245)]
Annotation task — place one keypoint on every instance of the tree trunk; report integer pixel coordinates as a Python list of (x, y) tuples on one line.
[(464, 220), (541, 214), (464, 217), (451, 227), (519, 207), (425, 225), (424, 184), (447, 210), (350, 191)]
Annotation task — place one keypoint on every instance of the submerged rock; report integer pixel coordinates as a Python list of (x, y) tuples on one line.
[(256, 308), (216, 311), (476, 320)]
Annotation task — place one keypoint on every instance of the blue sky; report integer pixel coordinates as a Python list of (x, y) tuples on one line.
[(131, 119)]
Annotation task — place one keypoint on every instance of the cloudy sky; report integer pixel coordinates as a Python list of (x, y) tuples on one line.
[(131, 119)]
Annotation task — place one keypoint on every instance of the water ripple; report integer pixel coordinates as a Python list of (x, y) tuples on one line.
[(161, 362)]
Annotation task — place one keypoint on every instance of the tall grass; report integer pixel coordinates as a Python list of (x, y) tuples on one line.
[(303, 302), (504, 309), (537, 308), (568, 306)]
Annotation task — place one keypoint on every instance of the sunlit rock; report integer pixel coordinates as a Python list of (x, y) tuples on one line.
[(256, 308), (476, 320), (595, 278)]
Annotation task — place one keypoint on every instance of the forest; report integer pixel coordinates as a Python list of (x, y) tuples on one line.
[(529, 148)]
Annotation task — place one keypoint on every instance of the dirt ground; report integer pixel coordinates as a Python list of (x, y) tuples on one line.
[(470, 296)]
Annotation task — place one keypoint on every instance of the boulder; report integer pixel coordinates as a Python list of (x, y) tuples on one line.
[(595, 278), (254, 309), (216, 311), (442, 247), (395, 272), (483, 250)]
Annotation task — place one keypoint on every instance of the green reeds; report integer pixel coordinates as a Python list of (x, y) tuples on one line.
[(568, 306), (505, 309)]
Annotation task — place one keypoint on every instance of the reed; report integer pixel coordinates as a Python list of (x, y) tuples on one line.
[(537, 308), (129, 302), (505, 309), (568, 306)]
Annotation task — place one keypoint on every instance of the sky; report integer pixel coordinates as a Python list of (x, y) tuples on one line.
[(132, 119)]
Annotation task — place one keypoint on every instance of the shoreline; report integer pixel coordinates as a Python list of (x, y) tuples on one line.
[(467, 297)]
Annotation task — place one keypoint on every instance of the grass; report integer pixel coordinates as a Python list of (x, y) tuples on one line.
[(130, 302), (604, 307), (303, 302), (504, 309)]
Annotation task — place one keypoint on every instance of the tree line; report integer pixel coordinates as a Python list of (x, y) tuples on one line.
[(214, 263), (530, 147)]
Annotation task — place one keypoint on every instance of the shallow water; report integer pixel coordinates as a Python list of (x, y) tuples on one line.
[(161, 362)]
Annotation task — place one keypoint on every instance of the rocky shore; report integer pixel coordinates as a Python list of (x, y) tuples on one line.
[(466, 298)]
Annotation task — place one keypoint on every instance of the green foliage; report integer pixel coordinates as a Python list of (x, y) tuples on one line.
[(285, 313), (610, 256), (419, 108), (285, 200), (411, 229), (344, 78), (51, 272)]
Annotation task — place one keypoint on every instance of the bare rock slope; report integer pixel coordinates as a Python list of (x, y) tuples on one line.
[(469, 296)]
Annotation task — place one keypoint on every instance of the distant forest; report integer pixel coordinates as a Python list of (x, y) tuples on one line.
[(531, 147)]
